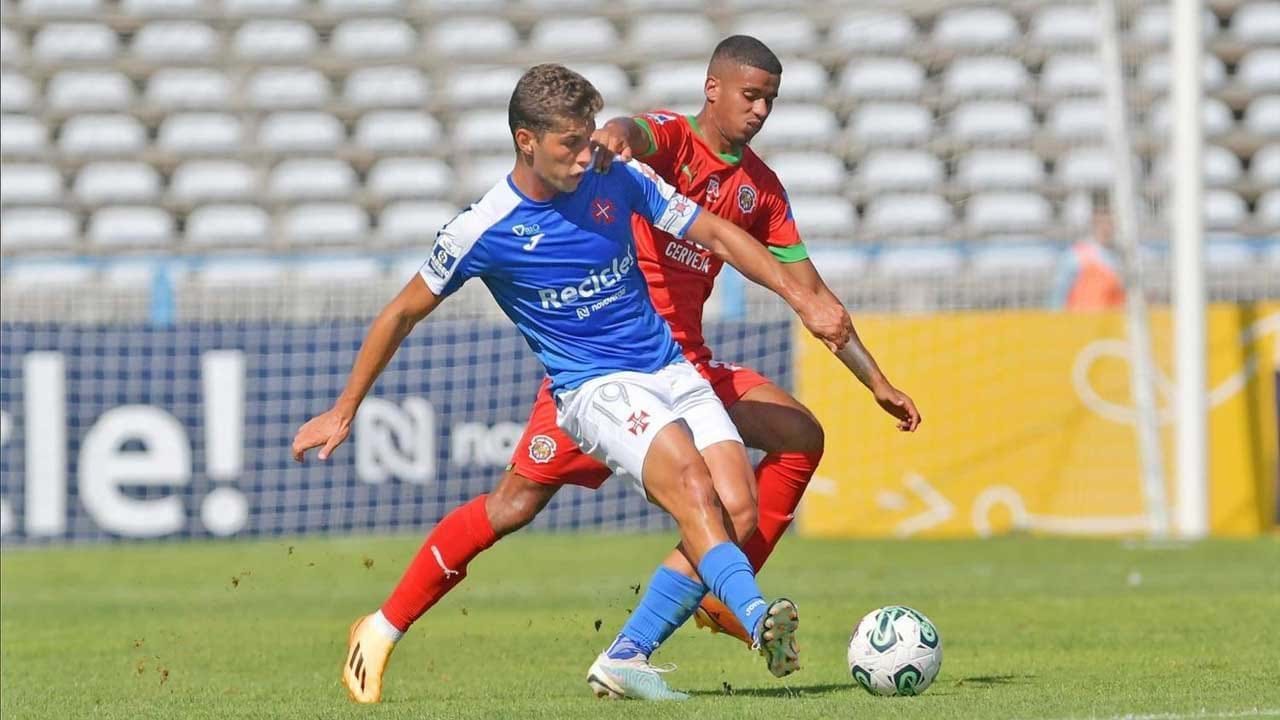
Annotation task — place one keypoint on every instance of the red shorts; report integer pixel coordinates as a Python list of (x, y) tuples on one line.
[(547, 455)]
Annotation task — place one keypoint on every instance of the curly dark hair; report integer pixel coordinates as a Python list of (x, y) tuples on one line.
[(548, 97)]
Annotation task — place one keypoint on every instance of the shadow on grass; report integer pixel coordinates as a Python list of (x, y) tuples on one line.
[(779, 691), (992, 680)]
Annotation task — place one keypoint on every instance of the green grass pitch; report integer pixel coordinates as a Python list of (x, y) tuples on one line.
[(1031, 628)]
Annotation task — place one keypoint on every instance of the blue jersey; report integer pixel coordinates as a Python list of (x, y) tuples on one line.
[(565, 270)]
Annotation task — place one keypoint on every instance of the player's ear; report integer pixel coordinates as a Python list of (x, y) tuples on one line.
[(525, 140), (711, 88)]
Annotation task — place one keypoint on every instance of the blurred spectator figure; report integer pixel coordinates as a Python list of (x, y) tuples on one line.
[(1088, 275)]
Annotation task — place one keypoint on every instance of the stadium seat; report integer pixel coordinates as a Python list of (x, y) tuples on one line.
[(60, 8), (287, 89), (1154, 76), (907, 213), (228, 225), (203, 181), (798, 125), (324, 223), (479, 85), (88, 90), (200, 134), (669, 83), (409, 222), (29, 184), (171, 89), (44, 274), (1077, 120), (553, 6), (17, 94), (74, 42), (102, 136), (398, 178), (265, 41), (1259, 71), (12, 49), (807, 80), (481, 131), (918, 261), (1216, 116), (985, 77), (386, 87), (809, 172), (22, 136), (1262, 117), (1264, 167), (1065, 26), (301, 133), (783, 32), (481, 173), (176, 41), (610, 80), (101, 183), (1003, 258), (987, 121), (975, 28), (890, 124), (1223, 210), (451, 7), (1003, 212), (999, 170), (1085, 167), (278, 8), (881, 79), (373, 38), (573, 36), (1071, 74), (135, 275), (672, 34), (872, 31), (363, 7), (130, 226), (1221, 167), (823, 217), (337, 270), (1267, 213), (311, 179), (480, 38), (1257, 23), (1151, 25), (1226, 255), (28, 228), (240, 273), (897, 170), (165, 8), (397, 131)]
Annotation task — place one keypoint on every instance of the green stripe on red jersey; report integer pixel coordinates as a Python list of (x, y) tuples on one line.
[(790, 253)]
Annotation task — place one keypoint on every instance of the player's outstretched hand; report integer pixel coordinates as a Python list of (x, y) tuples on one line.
[(326, 431), (607, 142), (899, 404), (829, 322)]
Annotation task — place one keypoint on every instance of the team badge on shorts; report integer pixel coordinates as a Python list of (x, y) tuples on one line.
[(639, 422), (746, 198), (542, 449)]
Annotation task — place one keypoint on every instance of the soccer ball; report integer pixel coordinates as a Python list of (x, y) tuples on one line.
[(895, 651)]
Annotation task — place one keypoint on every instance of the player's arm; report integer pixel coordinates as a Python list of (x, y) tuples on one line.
[(329, 429), (622, 137)]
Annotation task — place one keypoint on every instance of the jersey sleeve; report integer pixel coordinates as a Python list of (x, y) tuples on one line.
[(665, 131), (456, 256), (775, 226), (658, 202)]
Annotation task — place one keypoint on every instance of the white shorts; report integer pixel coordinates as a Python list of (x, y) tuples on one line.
[(615, 417)]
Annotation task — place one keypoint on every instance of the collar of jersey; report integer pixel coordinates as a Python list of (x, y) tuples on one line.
[(511, 183), (730, 158)]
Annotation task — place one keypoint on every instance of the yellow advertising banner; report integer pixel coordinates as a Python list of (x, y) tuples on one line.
[(1029, 426)]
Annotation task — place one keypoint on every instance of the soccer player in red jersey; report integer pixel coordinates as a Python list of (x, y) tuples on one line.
[(707, 158)]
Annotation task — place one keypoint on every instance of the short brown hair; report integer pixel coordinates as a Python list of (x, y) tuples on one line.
[(550, 95)]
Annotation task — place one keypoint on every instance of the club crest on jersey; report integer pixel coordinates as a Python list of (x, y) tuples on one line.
[(746, 198), (603, 211), (713, 188), (541, 449)]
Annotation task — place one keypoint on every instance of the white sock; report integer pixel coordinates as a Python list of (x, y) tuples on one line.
[(385, 627)]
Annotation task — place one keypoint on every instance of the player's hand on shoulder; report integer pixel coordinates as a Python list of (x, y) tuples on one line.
[(899, 404), (606, 143), (326, 431)]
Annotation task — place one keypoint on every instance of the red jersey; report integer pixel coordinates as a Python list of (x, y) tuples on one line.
[(742, 190)]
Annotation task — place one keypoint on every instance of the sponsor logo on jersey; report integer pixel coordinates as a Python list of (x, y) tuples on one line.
[(596, 282), (746, 198), (689, 256), (660, 118), (541, 449), (444, 255), (713, 188), (603, 211)]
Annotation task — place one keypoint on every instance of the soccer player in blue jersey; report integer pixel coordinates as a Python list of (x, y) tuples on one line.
[(552, 242)]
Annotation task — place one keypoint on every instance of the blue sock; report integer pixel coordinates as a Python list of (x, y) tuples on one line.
[(666, 605), (727, 573)]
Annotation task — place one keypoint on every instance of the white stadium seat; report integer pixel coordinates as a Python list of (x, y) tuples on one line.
[(453, 7), (337, 270), (1020, 258), (240, 273), (783, 32), (1257, 23), (12, 49), (172, 89), (975, 28), (1229, 255), (301, 133), (1262, 117), (1221, 167), (898, 170), (471, 37), (1001, 169), (397, 131), (74, 42), (60, 8), (30, 184), (1267, 213), (101, 183), (22, 136), (289, 88), (610, 80), (1085, 167), (1259, 71), (806, 80), (38, 228), (985, 77), (102, 136), (1216, 116), (1077, 120), (409, 222), (130, 226), (1264, 167), (373, 38), (1151, 25), (201, 181), (165, 8), (1062, 26), (872, 31), (1223, 210), (176, 41), (673, 82), (881, 79), (672, 34), (890, 124), (919, 261), (324, 223), (823, 216), (282, 8), (363, 7), (62, 274), (798, 125), (1072, 74), (386, 87), (311, 179), (479, 85), (17, 94), (808, 172), (984, 121), (1154, 76), (480, 173), (573, 36), (200, 134), (229, 225), (397, 178), (88, 90), (907, 213), (481, 131), (274, 41), (1002, 212)]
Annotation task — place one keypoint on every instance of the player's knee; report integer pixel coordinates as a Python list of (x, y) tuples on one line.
[(514, 503), (744, 517), (809, 437), (697, 492)]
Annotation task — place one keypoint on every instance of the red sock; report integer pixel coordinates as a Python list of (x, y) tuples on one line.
[(781, 479), (441, 563)]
